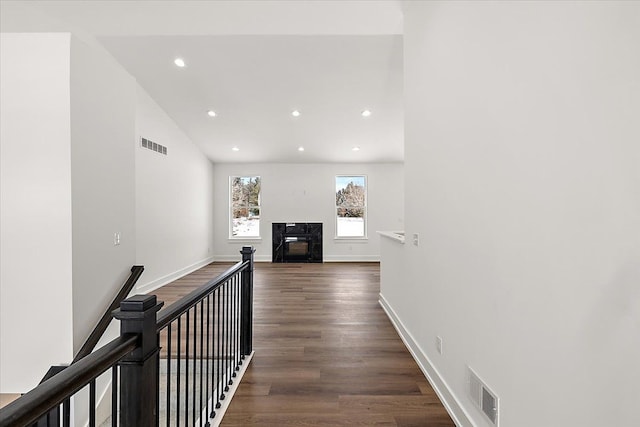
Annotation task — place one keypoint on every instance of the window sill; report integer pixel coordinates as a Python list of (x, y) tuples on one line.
[(244, 239)]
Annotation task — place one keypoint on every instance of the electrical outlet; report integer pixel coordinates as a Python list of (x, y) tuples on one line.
[(416, 239), (439, 344), (116, 238)]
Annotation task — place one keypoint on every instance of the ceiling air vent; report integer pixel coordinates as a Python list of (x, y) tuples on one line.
[(153, 146), (483, 397)]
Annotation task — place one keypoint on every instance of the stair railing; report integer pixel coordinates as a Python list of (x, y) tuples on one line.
[(93, 338), (206, 335)]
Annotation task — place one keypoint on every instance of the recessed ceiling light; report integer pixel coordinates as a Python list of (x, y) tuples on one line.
[(366, 113), (355, 149), (295, 113), (235, 149), (211, 113), (300, 148), (179, 62)]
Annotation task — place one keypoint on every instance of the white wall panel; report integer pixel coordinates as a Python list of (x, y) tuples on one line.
[(523, 181), (35, 208)]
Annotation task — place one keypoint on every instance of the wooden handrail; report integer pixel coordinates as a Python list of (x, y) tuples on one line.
[(103, 323), (28, 408)]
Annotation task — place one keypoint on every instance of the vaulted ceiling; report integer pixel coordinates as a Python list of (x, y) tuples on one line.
[(254, 63)]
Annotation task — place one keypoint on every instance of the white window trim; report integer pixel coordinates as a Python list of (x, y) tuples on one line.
[(354, 239), (239, 239), (366, 211)]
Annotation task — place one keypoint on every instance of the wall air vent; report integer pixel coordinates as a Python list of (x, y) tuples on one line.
[(153, 146), (483, 398)]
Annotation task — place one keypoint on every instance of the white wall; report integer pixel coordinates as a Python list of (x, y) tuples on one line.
[(35, 208), (71, 117), (306, 193), (523, 181), (103, 107), (174, 199)]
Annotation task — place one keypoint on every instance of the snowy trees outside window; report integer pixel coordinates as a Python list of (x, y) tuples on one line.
[(245, 206), (351, 206)]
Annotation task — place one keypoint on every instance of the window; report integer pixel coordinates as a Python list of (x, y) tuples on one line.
[(245, 206), (351, 206)]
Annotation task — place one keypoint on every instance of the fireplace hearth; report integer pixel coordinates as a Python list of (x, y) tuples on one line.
[(297, 241)]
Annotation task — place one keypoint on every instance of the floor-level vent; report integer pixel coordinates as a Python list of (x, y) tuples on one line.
[(483, 398), (153, 146)]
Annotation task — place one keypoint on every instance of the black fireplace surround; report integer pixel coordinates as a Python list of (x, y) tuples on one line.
[(296, 241)]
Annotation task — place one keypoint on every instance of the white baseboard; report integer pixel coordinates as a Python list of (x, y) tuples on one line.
[(439, 385), (327, 258), (238, 257), (352, 258), (232, 391), (155, 284)]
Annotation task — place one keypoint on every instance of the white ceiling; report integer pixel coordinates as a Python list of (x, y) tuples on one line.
[(254, 62)]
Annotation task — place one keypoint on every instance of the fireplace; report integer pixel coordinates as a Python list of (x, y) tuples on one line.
[(295, 247), (297, 242)]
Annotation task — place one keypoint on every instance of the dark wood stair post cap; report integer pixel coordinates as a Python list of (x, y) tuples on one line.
[(137, 315), (138, 303), (247, 250)]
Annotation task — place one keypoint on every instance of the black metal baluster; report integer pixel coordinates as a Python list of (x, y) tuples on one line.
[(230, 335), (195, 355), (179, 350), (236, 323), (201, 356), (157, 386), (92, 403), (240, 356), (186, 375), (227, 336), (233, 326), (239, 305), (168, 411), (66, 413), (208, 360), (224, 338), (239, 361), (219, 392), (114, 396), (232, 322), (214, 363)]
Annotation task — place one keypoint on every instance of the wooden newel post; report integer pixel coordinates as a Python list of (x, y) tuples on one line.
[(246, 320), (139, 369)]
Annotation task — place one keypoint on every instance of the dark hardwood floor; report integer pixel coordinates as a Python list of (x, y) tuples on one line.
[(325, 352)]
